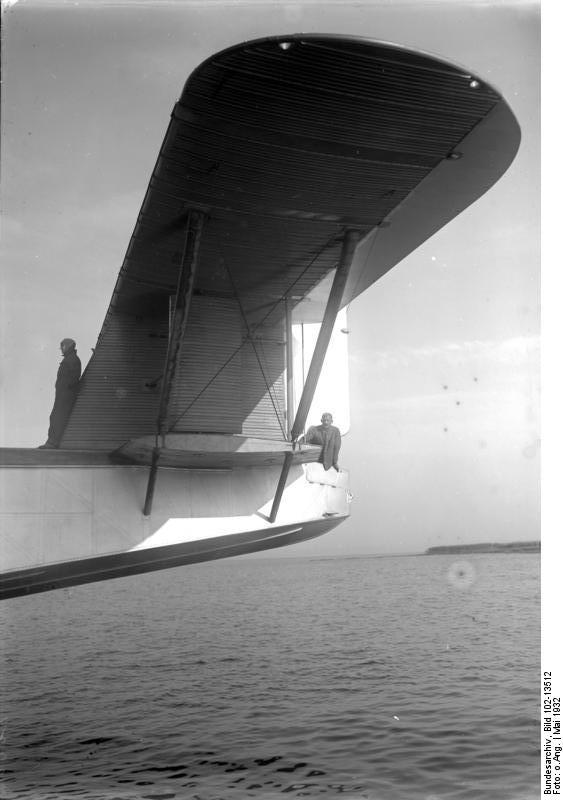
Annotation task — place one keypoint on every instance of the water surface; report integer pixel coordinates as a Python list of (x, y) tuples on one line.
[(380, 678)]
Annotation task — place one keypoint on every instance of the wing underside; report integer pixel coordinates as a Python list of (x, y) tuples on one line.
[(283, 145)]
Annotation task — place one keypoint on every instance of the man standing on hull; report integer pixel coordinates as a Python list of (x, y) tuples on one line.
[(66, 389), (328, 436)]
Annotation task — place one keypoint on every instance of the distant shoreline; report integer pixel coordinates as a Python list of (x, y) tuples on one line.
[(485, 547)]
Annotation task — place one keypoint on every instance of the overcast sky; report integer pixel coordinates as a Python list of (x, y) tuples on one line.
[(444, 349)]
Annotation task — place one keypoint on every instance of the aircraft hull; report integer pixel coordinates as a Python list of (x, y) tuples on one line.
[(72, 573), (63, 526)]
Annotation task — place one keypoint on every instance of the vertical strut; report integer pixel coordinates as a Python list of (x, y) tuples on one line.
[(288, 458), (184, 292), (152, 482), (289, 366), (351, 238)]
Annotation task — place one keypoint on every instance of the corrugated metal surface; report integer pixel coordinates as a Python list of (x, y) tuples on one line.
[(265, 411), (207, 389), (119, 393), (283, 149), (223, 383)]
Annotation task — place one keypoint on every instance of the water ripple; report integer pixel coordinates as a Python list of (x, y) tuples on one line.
[(366, 678)]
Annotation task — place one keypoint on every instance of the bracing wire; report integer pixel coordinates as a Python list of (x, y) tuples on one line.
[(308, 266), (253, 343)]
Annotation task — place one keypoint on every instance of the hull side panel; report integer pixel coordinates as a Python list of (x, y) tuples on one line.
[(62, 526), (118, 565)]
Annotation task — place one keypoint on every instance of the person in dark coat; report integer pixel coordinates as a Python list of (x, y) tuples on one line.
[(328, 436), (66, 389)]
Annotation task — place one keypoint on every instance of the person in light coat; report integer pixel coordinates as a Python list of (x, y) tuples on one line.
[(328, 436)]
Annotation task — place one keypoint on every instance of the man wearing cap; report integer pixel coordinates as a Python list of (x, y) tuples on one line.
[(66, 389), (328, 436)]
